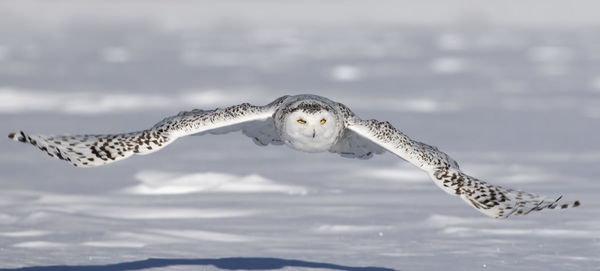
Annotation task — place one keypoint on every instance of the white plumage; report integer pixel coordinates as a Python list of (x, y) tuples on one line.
[(304, 122)]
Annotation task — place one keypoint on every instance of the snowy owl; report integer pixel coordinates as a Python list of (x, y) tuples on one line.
[(307, 123)]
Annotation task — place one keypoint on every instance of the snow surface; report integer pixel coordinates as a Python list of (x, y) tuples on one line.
[(516, 106)]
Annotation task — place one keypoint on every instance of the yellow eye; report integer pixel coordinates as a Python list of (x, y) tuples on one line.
[(301, 121), (323, 121)]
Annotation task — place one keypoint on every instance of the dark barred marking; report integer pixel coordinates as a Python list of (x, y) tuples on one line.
[(23, 138), (347, 114), (309, 107), (59, 155)]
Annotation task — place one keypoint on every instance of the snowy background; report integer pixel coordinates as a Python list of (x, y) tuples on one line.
[(510, 91)]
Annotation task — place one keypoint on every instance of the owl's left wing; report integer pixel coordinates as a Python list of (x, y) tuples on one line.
[(492, 200), (352, 145)]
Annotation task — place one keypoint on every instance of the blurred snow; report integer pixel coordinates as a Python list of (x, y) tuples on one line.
[(15, 101), (116, 55), (337, 229), (39, 245), (596, 84), (464, 231), (4, 53), (395, 173), (166, 183), (452, 42), (345, 73), (510, 90), (185, 14), (20, 234), (447, 65), (550, 54)]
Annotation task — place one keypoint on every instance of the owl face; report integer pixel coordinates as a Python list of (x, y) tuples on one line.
[(311, 128)]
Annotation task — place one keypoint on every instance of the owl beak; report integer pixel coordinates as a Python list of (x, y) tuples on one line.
[(314, 133)]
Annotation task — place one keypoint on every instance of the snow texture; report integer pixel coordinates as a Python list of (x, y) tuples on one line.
[(516, 105)]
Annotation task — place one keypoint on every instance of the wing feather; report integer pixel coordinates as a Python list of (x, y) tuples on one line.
[(494, 201), (352, 145), (97, 150)]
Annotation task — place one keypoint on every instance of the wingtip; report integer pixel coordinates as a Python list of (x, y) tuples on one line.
[(570, 205), (21, 137)]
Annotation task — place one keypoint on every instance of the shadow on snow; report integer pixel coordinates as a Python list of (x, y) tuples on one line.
[(223, 263)]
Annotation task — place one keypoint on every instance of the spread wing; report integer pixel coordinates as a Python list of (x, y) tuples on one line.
[(492, 200), (97, 150)]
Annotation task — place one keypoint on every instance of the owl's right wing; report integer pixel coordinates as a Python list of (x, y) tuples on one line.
[(97, 150), (492, 200)]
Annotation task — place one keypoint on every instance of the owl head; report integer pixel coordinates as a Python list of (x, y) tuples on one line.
[(310, 125)]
